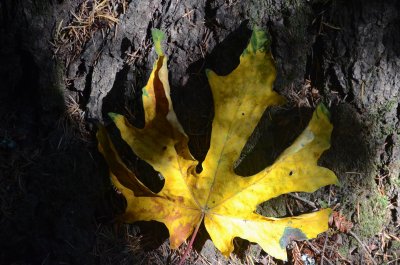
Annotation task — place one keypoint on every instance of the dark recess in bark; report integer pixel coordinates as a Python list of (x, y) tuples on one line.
[(54, 184)]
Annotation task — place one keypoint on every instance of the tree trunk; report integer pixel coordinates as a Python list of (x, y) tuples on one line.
[(55, 188)]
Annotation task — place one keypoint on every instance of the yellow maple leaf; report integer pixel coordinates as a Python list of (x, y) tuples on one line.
[(225, 201)]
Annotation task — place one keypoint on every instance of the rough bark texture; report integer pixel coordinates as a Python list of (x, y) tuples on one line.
[(348, 49), (360, 62)]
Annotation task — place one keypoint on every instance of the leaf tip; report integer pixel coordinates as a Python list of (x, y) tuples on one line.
[(337, 182), (113, 115), (322, 108), (158, 36), (209, 72), (259, 41)]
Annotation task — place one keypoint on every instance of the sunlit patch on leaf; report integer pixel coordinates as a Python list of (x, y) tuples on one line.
[(225, 201)]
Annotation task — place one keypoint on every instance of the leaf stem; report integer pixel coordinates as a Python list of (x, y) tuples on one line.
[(189, 247)]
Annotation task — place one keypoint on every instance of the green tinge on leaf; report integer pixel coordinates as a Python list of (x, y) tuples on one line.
[(322, 108), (112, 115), (158, 36), (259, 41)]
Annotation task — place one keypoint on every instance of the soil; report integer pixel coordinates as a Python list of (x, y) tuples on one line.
[(57, 203)]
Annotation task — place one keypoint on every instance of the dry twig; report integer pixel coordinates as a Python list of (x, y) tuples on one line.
[(363, 246), (310, 203)]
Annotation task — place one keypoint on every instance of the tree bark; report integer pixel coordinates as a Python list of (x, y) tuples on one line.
[(347, 51)]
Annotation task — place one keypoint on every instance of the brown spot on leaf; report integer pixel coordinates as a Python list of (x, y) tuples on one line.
[(180, 199)]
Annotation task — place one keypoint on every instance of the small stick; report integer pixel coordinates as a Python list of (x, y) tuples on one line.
[(314, 248), (323, 249), (392, 261), (303, 200), (327, 260), (363, 247), (318, 252)]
